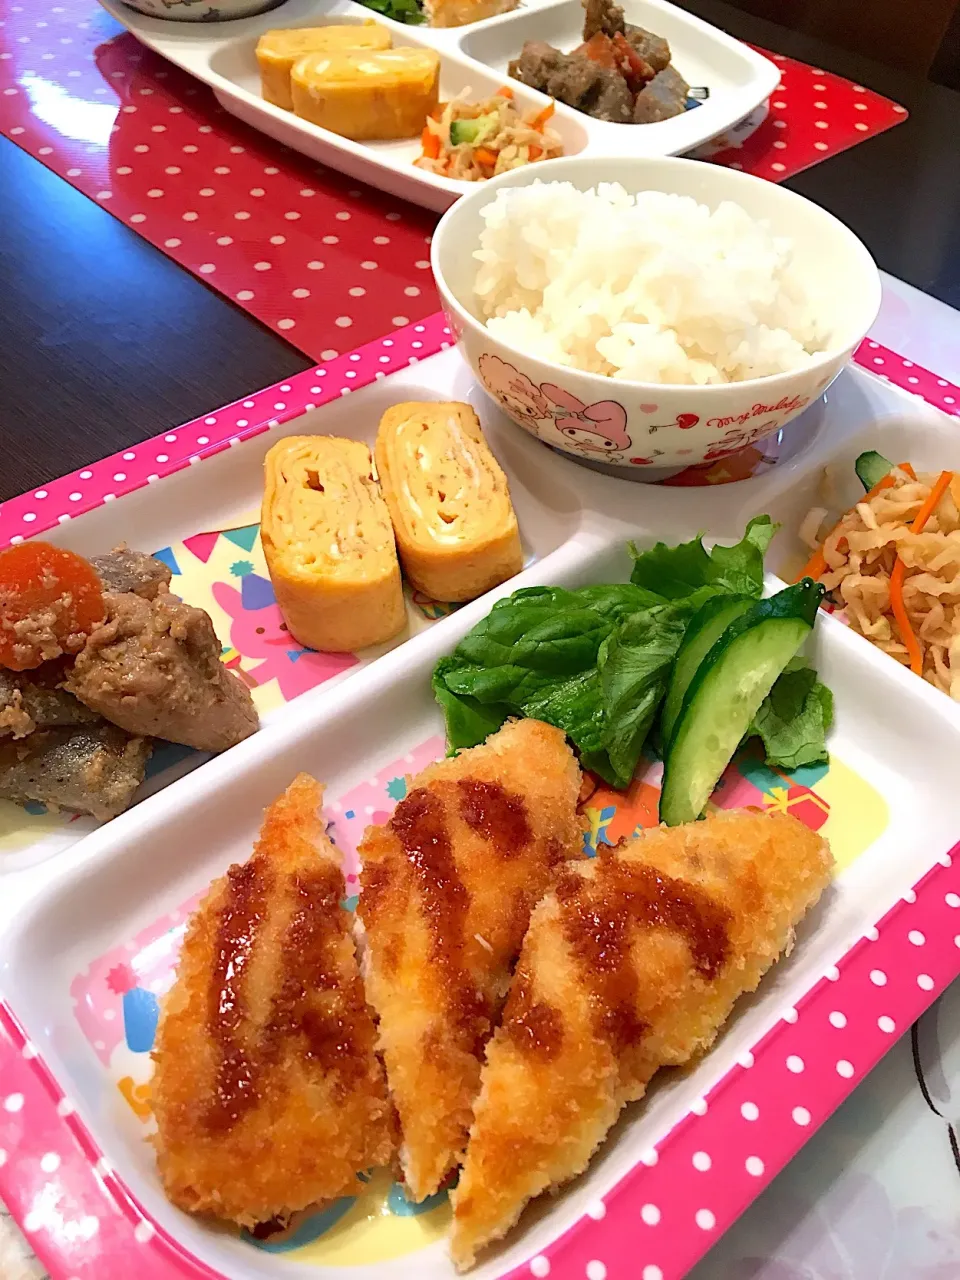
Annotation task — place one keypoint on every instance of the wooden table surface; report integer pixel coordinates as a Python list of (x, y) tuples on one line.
[(104, 341)]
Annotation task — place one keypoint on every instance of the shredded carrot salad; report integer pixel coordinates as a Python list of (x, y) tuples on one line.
[(477, 140), (892, 564)]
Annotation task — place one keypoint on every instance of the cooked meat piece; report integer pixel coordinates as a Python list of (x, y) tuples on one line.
[(267, 1089), (536, 63), (124, 570), (653, 49), (91, 769), (154, 668), (609, 98), (35, 699), (574, 79), (665, 96), (602, 16)]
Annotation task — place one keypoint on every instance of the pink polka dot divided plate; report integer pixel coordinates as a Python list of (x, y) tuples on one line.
[(90, 930)]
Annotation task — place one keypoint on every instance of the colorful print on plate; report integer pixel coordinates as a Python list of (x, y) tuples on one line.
[(116, 999)]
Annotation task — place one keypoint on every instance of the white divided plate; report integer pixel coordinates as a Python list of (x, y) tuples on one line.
[(117, 901), (474, 57)]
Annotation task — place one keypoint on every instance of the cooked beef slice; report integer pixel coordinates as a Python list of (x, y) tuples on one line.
[(572, 78), (35, 699), (653, 49), (91, 769), (665, 96), (601, 16), (154, 668), (126, 570)]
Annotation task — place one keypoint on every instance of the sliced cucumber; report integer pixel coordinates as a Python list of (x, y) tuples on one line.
[(726, 692), (871, 467), (705, 629), (471, 131)]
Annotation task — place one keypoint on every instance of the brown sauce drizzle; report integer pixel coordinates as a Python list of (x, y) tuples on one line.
[(534, 1026), (598, 917), (312, 1002), (496, 814), (419, 823), (241, 918)]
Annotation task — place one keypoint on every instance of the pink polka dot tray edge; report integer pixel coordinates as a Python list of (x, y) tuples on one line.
[(703, 1146)]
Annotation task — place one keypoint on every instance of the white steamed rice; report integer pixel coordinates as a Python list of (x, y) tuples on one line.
[(653, 287)]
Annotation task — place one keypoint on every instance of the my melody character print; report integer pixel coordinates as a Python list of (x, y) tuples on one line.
[(599, 428), (596, 429), (519, 397)]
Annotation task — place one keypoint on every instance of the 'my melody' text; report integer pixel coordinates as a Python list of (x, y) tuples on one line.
[(786, 405)]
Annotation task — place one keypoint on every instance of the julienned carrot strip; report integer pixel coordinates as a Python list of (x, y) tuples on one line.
[(483, 155), (938, 489), (430, 142), (897, 606), (902, 620), (505, 91), (535, 152), (816, 566), (541, 118), (905, 466)]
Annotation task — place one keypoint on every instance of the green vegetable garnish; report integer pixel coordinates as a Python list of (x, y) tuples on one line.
[(597, 661), (408, 11), (675, 572), (795, 718)]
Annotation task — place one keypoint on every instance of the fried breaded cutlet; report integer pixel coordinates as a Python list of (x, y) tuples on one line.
[(633, 962), (447, 888), (267, 1089)]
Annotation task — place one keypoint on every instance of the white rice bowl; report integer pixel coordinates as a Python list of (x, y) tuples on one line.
[(652, 288)]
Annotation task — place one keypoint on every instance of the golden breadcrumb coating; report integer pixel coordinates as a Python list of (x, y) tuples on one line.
[(447, 888), (267, 1089), (632, 962)]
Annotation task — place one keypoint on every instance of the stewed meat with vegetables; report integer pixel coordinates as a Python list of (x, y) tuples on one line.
[(126, 570), (97, 658), (665, 96), (91, 769), (36, 700), (621, 73), (154, 668)]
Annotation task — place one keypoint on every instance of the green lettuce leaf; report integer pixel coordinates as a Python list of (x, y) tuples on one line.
[(408, 11), (596, 661), (676, 572), (534, 654), (635, 664), (794, 719), (468, 721)]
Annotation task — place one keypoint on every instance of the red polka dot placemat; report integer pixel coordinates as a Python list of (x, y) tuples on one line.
[(813, 115), (326, 262)]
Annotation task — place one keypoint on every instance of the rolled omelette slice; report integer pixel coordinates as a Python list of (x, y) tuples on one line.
[(456, 13), (277, 51), (449, 502), (329, 544), (367, 95), (633, 961)]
